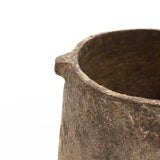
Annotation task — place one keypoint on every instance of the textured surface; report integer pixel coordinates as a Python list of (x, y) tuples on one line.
[(99, 124)]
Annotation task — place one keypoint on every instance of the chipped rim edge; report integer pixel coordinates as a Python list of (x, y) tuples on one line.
[(93, 84)]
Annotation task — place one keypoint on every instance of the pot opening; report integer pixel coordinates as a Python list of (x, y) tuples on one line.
[(127, 62)]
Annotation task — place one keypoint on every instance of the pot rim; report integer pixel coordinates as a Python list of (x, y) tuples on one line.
[(71, 60), (87, 80)]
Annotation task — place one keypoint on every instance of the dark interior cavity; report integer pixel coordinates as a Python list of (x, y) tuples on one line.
[(127, 62)]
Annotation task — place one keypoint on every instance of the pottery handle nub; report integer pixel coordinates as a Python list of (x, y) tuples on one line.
[(62, 64)]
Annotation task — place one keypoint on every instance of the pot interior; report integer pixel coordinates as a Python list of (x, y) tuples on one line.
[(127, 62)]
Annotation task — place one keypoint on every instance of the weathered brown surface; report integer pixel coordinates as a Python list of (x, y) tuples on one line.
[(103, 124)]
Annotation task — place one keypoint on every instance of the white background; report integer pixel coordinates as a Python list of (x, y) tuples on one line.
[(32, 34)]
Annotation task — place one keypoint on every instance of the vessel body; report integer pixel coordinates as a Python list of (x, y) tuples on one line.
[(100, 122)]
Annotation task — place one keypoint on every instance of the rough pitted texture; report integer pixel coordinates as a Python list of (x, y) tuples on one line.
[(98, 123)]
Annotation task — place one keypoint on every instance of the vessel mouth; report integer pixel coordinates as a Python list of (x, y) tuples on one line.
[(126, 62)]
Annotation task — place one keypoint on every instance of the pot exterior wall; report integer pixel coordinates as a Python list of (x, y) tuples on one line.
[(98, 126)]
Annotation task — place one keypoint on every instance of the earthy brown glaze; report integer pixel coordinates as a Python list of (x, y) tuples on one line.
[(111, 101)]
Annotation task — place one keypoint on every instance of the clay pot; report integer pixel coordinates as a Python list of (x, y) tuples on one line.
[(111, 106)]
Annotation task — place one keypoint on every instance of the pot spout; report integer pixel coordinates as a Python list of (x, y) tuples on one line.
[(62, 64)]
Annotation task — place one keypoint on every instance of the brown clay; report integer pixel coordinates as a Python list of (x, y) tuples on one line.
[(111, 102)]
